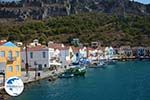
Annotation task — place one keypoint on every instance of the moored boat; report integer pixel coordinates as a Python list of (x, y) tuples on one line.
[(77, 71), (101, 64), (66, 75)]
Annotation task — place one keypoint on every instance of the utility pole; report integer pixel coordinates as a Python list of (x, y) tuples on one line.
[(26, 65), (35, 63)]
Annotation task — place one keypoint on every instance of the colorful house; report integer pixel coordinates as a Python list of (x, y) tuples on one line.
[(10, 60)]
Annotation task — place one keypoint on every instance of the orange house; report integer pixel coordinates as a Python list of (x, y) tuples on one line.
[(10, 60)]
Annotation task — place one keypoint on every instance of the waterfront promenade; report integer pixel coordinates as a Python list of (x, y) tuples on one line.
[(31, 77), (46, 74)]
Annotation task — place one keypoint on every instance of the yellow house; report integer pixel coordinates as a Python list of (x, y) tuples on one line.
[(10, 60)]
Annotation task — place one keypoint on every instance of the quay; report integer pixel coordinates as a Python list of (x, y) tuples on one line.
[(44, 75)]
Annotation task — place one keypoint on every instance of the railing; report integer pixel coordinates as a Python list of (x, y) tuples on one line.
[(11, 59)]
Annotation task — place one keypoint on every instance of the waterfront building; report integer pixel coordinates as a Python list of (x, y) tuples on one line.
[(109, 52), (60, 52), (37, 57), (125, 52), (147, 51), (10, 59), (93, 55), (139, 51), (74, 54), (83, 52), (45, 57)]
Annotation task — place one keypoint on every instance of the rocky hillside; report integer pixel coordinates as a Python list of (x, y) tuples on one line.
[(40, 9), (112, 22)]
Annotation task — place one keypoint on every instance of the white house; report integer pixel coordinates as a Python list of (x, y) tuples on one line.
[(60, 53), (45, 57), (109, 52), (38, 56)]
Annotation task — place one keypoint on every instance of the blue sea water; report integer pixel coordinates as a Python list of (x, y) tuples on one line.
[(123, 81)]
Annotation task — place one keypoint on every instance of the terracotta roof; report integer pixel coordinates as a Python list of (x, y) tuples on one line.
[(138, 47), (75, 49), (57, 46), (37, 48), (1, 43), (90, 48)]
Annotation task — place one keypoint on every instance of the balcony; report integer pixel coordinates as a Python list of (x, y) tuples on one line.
[(11, 59)]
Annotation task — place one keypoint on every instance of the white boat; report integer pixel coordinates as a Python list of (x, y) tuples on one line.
[(101, 63)]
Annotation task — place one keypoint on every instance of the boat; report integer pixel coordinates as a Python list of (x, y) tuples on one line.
[(77, 70), (94, 64), (101, 64), (66, 75)]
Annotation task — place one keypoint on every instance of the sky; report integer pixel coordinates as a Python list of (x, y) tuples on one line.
[(141, 1)]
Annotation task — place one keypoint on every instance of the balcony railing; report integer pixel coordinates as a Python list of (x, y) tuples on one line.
[(11, 59)]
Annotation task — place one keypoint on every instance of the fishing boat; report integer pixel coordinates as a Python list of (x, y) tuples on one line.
[(73, 71), (66, 75), (77, 71)]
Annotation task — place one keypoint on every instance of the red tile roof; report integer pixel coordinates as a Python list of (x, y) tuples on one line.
[(37, 48), (90, 48), (57, 46), (1, 43), (75, 49)]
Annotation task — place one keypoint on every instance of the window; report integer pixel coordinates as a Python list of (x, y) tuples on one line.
[(31, 54), (17, 53), (44, 55), (45, 65), (17, 68), (10, 69), (40, 67), (2, 53), (10, 55)]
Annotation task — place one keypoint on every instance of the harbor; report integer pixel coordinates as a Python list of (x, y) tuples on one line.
[(122, 81), (36, 63), (74, 49)]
